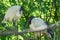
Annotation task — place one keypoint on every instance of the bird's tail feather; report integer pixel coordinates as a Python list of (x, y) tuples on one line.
[(50, 32)]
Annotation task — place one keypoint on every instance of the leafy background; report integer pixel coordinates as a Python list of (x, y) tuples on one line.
[(48, 10)]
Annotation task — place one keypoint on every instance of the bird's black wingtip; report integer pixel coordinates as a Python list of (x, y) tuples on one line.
[(50, 32)]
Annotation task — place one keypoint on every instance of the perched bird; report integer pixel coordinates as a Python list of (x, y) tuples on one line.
[(36, 23), (13, 14)]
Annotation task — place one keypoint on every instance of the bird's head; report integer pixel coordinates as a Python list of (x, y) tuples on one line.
[(29, 19), (22, 11)]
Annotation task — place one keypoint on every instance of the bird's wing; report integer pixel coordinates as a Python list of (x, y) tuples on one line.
[(38, 24)]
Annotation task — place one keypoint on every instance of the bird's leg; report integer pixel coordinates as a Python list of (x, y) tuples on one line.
[(46, 33), (16, 30), (37, 35)]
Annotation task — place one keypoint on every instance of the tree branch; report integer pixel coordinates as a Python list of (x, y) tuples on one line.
[(5, 33)]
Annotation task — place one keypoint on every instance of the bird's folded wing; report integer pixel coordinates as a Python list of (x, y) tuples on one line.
[(38, 24)]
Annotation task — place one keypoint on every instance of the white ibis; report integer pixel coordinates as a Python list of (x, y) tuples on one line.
[(36, 23), (13, 14)]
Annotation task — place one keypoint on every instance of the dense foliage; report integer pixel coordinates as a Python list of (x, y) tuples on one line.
[(48, 10)]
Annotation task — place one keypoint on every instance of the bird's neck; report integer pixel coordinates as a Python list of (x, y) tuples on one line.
[(29, 20)]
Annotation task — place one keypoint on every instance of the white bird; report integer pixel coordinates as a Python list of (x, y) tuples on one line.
[(36, 23), (13, 14)]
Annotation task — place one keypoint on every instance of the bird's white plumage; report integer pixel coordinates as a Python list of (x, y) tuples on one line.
[(12, 13), (38, 24)]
